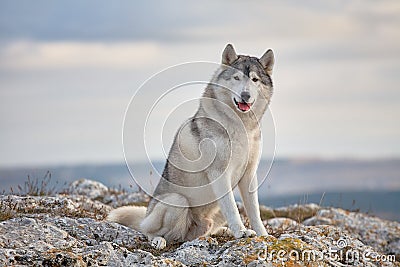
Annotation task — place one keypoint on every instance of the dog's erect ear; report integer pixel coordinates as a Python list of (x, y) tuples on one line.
[(267, 61), (229, 55)]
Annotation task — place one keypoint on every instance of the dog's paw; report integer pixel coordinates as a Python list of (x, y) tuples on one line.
[(245, 233), (158, 242), (223, 231)]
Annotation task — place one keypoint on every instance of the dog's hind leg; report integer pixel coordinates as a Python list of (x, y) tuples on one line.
[(168, 221)]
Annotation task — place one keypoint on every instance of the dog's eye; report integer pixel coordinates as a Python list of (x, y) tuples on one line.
[(236, 78), (254, 79)]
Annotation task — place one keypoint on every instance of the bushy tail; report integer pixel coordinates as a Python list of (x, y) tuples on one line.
[(130, 216)]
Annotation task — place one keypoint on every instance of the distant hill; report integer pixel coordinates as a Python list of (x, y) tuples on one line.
[(374, 185)]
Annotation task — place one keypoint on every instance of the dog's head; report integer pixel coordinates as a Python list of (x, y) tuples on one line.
[(247, 80)]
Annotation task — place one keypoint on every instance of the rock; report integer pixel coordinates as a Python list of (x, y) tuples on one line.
[(123, 199), (27, 241), (196, 252), (69, 230), (317, 220), (382, 235), (75, 242), (89, 188), (309, 246), (72, 205), (282, 224), (97, 191)]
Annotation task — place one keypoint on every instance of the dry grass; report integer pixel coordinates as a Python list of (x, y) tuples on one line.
[(38, 186)]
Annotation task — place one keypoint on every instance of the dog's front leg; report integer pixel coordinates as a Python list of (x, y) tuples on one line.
[(223, 190), (248, 187)]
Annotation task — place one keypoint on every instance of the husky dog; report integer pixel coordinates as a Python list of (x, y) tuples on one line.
[(213, 151)]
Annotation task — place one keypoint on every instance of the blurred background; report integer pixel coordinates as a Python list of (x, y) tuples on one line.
[(68, 70)]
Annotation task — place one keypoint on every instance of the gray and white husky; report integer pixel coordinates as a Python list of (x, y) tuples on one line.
[(213, 151)]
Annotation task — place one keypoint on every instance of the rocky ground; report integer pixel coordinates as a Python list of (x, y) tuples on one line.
[(69, 230)]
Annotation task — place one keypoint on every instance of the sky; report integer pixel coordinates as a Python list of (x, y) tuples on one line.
[(68, 70)]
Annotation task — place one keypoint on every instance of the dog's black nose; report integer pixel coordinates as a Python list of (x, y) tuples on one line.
[(245, 96)]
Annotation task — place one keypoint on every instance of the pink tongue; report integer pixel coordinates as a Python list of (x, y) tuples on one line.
[(243, 106)]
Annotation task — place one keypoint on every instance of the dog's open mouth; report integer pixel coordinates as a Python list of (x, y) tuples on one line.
[(243, 106)]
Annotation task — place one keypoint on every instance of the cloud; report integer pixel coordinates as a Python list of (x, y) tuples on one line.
[(50, 55), (95, 21), (69, 68), (161, 21)]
